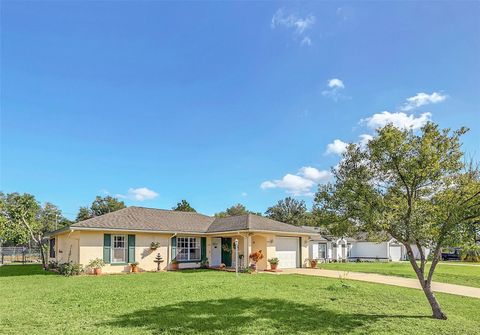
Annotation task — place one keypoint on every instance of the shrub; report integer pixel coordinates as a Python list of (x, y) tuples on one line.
[(53, 265), (70, 269), (471, 253), (247, 270)]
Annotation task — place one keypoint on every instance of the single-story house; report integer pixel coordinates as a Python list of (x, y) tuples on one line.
[(323, 246), (125, 236)]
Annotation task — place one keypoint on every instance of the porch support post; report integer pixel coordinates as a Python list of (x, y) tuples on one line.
[(247, 249)]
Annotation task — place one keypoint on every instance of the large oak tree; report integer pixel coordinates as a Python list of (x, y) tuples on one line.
[(100, 206), (411, 185), (289, 210), (23, 219)]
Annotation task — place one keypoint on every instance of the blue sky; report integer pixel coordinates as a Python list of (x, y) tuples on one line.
[(220, 103)]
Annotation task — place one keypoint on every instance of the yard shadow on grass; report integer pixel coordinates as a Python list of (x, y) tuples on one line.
[(15, 270), (239, 315)]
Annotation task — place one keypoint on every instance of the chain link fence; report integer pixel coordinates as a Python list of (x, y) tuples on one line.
[(19, 255)]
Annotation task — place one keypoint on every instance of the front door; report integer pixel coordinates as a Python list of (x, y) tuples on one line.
[(216, 251), (227, 251)]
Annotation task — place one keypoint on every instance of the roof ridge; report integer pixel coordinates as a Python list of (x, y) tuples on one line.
[(170, 210)]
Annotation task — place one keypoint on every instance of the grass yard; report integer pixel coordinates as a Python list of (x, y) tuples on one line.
[(468, 275), (214, 302)]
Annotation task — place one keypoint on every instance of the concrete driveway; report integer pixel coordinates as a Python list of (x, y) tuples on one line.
[(466, 291)]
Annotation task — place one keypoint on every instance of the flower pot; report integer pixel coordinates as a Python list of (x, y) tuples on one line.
[(273, 266), (97, 271), (134, 269), (313, 264), (174, 266)]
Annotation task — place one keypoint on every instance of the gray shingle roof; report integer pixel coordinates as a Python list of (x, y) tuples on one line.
[(318, 233), (252, 222), (141, 218), (151, 219)]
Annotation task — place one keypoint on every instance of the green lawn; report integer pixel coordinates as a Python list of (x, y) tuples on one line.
[(213, 302), (446, 273)]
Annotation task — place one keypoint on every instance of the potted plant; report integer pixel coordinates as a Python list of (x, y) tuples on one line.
[(313, 263), (134, 267), (273, 263), (154, 245), (255, 257), (96, 265), (174, 264)]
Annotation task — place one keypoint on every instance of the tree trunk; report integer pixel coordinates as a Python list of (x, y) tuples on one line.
[(432, 300), (426, 284), (42, 254)]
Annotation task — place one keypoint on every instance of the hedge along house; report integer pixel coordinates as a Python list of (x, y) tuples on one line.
[(125, 236)]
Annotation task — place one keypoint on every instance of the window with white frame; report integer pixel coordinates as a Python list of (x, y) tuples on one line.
[(119, 249), (188, 249)]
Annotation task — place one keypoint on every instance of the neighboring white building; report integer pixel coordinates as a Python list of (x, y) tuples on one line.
[(328, 248)]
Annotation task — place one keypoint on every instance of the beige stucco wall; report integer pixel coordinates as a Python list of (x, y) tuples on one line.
[(66, 247), (304, 252), (84, 246), (91, 247), (259, 242)]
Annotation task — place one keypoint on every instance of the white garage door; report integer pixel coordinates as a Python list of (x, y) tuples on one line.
[(287, 252), (396, 253)]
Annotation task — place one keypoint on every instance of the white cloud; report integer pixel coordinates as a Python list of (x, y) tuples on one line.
[(336, 86), (337, 147), (422, 99), (335, 83), (292, 21), (139, 194), (364, 139), (301, 183), (398, 119), (306, 41), (318, 176), (244, 194)]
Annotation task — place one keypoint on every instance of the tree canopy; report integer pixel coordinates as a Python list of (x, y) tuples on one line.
[(289, 210), (184, 206), (235, 210), (413, 186), (100, 206), (23, 219)]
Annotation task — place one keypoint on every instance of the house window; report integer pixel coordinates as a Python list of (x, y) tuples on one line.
[(52, 247), (188, 249), (322, 251), (119, 249)]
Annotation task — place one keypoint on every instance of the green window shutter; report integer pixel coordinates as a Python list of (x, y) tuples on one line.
[(107, 247), (203, 248), (131, 248), (174, 247)]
